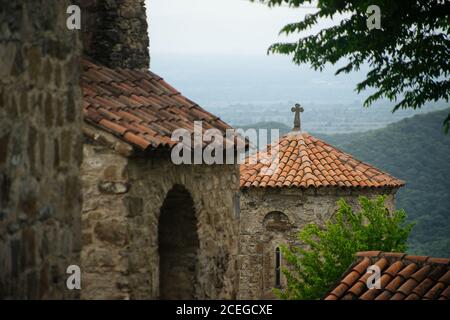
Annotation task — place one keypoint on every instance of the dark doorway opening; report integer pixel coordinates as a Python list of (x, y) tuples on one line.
[(178, 245)]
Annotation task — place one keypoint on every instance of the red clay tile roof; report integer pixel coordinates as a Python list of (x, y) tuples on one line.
[(403, 277), (139, 106), (305, 161)]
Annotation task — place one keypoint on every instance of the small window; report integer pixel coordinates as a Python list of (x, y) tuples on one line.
[(237, 205), (277, 268)]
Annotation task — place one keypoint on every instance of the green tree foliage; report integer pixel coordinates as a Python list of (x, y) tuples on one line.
[(327, 252), (408, 56)]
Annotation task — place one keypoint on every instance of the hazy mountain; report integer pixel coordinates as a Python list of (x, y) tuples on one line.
[(247, 89)]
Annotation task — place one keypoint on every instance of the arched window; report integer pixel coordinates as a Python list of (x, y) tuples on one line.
[(277, 268), (277, 221)]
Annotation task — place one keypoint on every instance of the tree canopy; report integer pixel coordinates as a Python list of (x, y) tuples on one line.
[(408, 56)]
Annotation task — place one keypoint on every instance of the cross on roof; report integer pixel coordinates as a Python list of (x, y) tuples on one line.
[(297, 109)]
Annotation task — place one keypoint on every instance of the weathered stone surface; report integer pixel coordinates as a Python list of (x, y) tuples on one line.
[(29, 247), (115, 32), (46, 212), (4, 146), (110, 187), (111, 231), (110, 173), (270, 218), (149, 232), (66, 147), (34, 44), (135, 206)]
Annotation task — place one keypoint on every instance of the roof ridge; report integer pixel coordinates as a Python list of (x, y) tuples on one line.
[(403, 256)]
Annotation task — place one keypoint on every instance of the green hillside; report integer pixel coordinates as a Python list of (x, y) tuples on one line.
[(416, 150)]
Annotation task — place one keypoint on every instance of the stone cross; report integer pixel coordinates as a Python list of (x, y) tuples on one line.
[(297, 124)]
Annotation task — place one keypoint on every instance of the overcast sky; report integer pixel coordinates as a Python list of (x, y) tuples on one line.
[(217, 26)]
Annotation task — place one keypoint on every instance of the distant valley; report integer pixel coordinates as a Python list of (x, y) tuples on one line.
[(243, 90)]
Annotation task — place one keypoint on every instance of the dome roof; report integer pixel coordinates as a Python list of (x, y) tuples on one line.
[(306, 161)]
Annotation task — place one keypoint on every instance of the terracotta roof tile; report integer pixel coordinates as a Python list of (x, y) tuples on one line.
[(138, 106), (362, 266), (445, 294), (420, 274), (385, 295), (407, 287), (398, 296), (382, 263), (335, 168), (423, 287), (348, 296), (435, 291), (370, 294), (445, 279), (340, 290), (351, 278), (385, 280), (394, 268), (408, 270), (413, 296), (357, 288), (403, 277), (331, 297), (395, 284)]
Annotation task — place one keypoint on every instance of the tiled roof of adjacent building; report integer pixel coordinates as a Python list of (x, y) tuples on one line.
[(403, 277), (138, 106), (306, 161)]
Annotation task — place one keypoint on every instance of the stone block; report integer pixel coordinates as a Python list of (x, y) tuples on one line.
[(111, 231), (109, 187), (135, 206)]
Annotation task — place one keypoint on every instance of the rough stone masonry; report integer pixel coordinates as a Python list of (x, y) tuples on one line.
[(274, 217), (151, 229), (114, 32), (40, 150)]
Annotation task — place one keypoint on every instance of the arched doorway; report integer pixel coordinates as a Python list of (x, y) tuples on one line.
[(178, 245)]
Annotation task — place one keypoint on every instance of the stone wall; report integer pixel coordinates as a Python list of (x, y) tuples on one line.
[(40, 150), (104, 262), (123, 197), (271, 217), (114, 32)]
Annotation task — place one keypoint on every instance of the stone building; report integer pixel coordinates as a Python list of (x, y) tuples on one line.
[(40, 150), (281, 196), (137, 224), (151, 229)]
